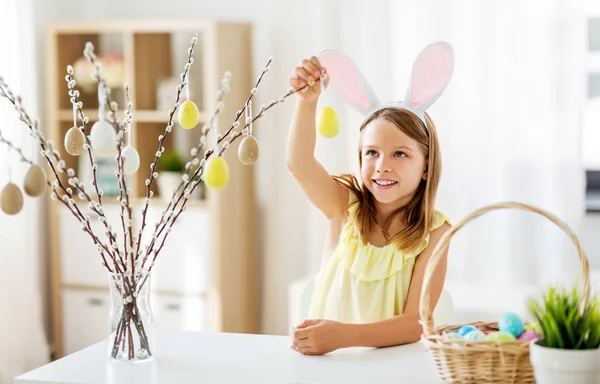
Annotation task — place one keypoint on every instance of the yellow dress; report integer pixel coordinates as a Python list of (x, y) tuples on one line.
[(362, 283)]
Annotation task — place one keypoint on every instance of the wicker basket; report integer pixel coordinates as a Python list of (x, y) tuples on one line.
[(484, 361)]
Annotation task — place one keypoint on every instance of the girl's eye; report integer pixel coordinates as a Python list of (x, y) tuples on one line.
[(371, 152), (400, 154)]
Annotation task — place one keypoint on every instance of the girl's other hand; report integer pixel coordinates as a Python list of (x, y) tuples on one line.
[(318, 337)]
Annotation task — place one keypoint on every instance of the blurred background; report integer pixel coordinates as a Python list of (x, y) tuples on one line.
[(520, 121)]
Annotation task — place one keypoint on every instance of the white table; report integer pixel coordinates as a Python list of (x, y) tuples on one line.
[(194, 357)]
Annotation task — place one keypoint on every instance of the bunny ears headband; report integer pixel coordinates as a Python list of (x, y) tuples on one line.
[(431, 73)]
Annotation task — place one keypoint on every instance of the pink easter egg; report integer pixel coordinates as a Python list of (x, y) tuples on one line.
[(528, 336)]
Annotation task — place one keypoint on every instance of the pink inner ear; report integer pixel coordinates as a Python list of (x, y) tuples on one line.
[(430, 74), (345, 78)]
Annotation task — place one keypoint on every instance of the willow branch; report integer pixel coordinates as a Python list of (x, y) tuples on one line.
[(161, 138)]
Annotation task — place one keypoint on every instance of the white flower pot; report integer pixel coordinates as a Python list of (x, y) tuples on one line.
[(561, 366), (168, 183)]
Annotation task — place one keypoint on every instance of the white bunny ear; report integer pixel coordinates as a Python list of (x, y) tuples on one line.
[(347, 82), (430, 76)]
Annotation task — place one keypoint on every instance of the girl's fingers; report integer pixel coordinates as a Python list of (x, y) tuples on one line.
[(302, 343), (302, 350), (314, 70), (305, 350), (303, 73), (297, 83), (316, 63)]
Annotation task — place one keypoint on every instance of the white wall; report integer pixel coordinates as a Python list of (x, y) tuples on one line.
[(287, 248), (290, 248), (590, 241)]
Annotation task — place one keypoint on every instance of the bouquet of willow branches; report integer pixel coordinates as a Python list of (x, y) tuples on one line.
[(128, 259)]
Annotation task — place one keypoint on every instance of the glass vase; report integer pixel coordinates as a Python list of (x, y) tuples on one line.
[(131, 337)]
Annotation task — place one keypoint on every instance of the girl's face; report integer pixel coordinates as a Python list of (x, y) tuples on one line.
[(393, 164)]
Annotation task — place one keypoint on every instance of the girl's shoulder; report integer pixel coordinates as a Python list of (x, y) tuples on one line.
[(439, 219)]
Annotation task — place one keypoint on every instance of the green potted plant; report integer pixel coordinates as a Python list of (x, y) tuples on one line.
[(171, 168), (568, 349)]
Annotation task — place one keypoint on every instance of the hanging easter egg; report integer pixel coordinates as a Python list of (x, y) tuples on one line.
[(35, 181), (104, 139), (131, 160), (248, 150), (329, 122), (475, 335), (188, 115), (216, 174), (74, 140), (500, 336), (466, 329), (511, 323), (11, 199)]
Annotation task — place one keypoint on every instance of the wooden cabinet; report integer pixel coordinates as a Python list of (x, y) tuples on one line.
[(85, 319)]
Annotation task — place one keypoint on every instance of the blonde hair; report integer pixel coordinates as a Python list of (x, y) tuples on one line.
[(418, 213)]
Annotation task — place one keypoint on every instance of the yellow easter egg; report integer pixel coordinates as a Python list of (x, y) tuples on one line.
[(216, 175), (329, 122), (189, 115), (11, 199)]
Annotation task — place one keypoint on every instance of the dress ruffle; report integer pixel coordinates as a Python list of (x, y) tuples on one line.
[(371, 263)]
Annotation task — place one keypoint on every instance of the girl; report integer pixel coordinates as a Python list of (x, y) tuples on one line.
[(383, 228)]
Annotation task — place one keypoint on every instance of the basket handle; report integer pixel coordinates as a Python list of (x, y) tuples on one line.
[(442, 245)]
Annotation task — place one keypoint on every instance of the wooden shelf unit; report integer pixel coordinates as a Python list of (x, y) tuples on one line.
[(152, 51)]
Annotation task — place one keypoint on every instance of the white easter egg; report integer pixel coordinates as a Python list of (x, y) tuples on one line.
[(131, 160), (104, 138)]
